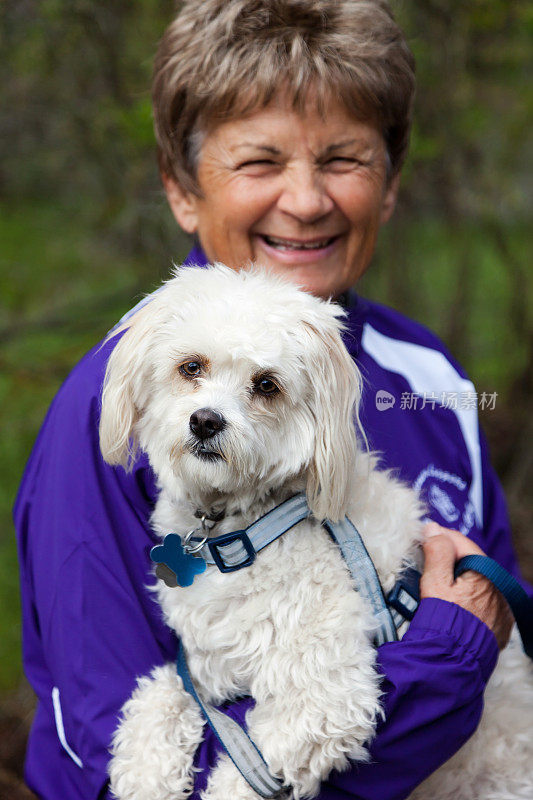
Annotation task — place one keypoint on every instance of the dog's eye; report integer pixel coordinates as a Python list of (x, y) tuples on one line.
[(191, 369), (265, 385)]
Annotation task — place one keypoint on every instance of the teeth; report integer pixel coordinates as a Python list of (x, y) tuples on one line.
[(287, 245)]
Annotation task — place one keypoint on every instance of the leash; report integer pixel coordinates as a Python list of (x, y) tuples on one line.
[(519, 601), (179, 562)]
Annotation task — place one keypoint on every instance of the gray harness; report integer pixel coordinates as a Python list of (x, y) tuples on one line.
[(236, 550)]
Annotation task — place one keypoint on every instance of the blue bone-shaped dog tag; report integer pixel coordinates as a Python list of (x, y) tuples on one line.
[(171, 555)]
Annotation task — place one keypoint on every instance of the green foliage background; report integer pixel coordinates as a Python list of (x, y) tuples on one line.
[(84, 228)]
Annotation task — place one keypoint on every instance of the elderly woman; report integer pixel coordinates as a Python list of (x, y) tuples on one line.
[(282, 126)]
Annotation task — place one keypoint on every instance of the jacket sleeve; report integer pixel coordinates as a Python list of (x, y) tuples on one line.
[(90, 625)]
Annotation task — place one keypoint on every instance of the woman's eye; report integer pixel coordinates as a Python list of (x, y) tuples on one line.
[(257, 164), (265, 386), (191, 369), (342, 161)]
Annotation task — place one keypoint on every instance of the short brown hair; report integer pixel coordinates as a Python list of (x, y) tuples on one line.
[(221, 59)]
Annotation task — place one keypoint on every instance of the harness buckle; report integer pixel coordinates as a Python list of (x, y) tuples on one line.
[(223, 541), (405, 595)]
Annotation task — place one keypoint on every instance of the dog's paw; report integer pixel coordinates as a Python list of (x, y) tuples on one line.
[(153, 747), (305, 740)]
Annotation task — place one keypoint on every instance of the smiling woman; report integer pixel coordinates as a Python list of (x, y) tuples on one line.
[(302, 193)]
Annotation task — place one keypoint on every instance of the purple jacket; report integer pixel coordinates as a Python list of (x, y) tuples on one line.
[(90, 626)]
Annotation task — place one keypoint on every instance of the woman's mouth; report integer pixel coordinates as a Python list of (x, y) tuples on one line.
[(296, 244), (297, 250)]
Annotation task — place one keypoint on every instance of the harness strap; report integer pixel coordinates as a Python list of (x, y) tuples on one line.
[(364, 576), (232, 551), (234, 739)]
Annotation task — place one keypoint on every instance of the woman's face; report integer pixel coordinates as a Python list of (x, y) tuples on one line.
[(302, 194)]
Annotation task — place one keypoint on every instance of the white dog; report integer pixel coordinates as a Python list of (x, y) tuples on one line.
[(239, 389)]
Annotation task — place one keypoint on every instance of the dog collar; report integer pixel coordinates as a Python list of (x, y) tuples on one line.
[(179, 561)]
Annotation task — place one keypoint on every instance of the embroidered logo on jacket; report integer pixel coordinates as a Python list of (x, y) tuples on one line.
[(447, 495)]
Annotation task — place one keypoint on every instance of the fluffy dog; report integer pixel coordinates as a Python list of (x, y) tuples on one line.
[(239, 389)]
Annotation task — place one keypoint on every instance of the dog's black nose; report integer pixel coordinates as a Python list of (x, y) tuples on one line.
[(205, 422)]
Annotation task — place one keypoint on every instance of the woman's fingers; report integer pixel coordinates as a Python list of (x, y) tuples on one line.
[(439, 557), (442, 549)]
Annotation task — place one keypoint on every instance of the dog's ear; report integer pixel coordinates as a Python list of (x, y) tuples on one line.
[(125, 385), (336, 394)]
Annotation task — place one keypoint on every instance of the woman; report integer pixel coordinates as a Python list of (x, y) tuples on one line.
[(282, 126)]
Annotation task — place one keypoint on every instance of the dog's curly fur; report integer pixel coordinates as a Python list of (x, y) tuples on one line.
[(289, 630)]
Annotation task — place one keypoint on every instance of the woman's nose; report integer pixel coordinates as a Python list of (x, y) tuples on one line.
[(304, 195)]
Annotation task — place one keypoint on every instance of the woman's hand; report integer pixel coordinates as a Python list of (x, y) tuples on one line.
[(442, 549)]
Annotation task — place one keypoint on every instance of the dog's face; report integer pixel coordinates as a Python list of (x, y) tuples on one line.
[(235, 383)]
